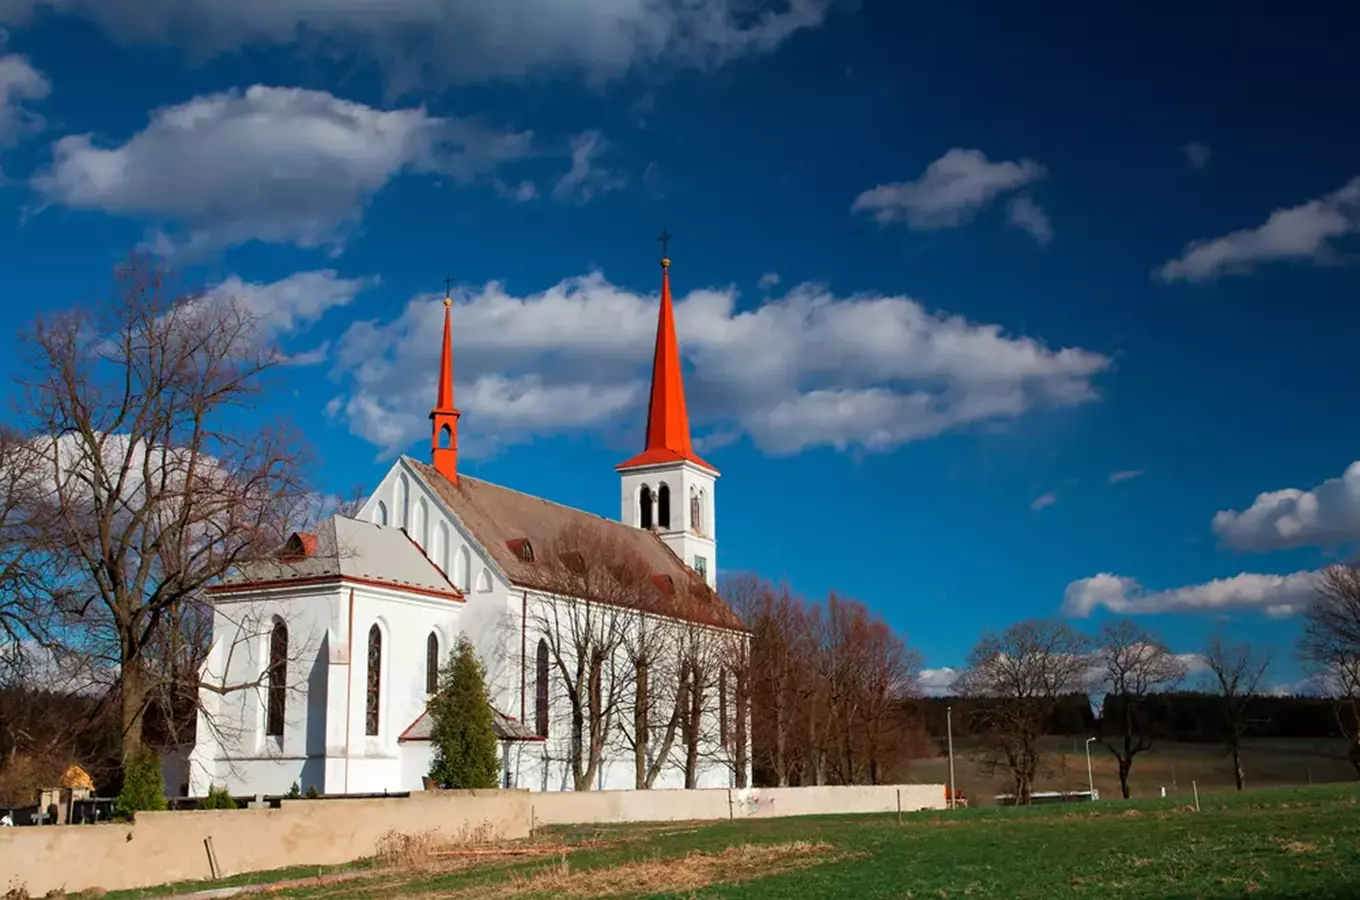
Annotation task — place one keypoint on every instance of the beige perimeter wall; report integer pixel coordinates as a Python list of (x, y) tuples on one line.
[(165, 847), (169, 846), (595, 807)]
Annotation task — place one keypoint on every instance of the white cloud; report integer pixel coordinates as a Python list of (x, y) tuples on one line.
[(1043, 500), (937, 682), (1327, 515), (1275, 595), (949, 192), (1196, 155), (768, 280), (1023, 213), (587, 178), (292, 303), (280, 165), (1301, 232), (1125, 475), (444, 41), (20, 84), (807, 369)]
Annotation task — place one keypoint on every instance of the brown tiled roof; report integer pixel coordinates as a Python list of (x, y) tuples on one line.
[(503, 520)]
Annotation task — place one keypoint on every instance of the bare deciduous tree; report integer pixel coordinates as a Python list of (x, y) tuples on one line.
[(25, 614), (152, 482), (1330, 647), (596, 584), (1133, 664), (1018, 676), (771, 615), (1235, 672)]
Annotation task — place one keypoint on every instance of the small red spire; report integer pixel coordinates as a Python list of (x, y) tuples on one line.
[(444, 416), (668, 438)]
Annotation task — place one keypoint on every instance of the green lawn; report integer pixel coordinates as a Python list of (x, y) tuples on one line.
[(1283, 843)]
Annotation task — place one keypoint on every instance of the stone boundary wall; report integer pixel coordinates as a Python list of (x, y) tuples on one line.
[(164, 847), (601, 807)]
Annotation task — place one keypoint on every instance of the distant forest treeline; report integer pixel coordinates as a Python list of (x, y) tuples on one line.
[(1174, 716)]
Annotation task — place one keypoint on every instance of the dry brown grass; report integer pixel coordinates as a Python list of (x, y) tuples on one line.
[(645, 876), (416, 850)]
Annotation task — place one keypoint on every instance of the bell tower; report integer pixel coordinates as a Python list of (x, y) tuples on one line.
[(444, 416), (667, 487)]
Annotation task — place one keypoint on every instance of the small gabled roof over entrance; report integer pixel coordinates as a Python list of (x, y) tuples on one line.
[(506, 728)]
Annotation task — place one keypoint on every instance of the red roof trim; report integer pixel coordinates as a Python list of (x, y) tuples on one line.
[(240, 587)]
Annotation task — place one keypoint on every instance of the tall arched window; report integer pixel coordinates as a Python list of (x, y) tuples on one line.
[(380, 514), (645, 507), (663, 506), (696, 514), (722, 708), (277, 680), (462, 569), (541, 691), (432, 663), (374, 692), (642, 711)]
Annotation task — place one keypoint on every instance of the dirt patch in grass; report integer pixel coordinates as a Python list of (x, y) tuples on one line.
[(1294, 847), (678, 874)]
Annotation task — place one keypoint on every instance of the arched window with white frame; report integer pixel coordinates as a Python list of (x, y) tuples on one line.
[(276, 677), (432, 663), (541, 689), (373, 685)]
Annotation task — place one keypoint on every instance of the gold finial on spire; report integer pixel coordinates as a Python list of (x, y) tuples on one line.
[(665, 240), (448, 290)]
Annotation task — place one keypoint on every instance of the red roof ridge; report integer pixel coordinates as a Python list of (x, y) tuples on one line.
[(502, 487)]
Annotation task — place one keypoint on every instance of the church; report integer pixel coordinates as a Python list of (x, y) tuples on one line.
[(612, 663)]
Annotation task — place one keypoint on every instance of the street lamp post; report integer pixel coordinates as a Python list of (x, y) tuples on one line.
[(949, 729), (1090, 781)]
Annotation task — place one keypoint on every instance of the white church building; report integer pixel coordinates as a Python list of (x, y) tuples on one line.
[(324, 657)]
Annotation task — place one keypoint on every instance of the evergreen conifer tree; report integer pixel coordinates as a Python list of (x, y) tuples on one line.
[(465, 752)]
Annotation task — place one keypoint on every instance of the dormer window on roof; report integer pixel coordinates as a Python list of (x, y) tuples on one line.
[(522, 549), (299, 545), (664, 583)]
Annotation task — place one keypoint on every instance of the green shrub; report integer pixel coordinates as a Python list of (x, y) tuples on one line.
[(312, 793), (218, 798), (294, 792), (461, 726), (143, 790)]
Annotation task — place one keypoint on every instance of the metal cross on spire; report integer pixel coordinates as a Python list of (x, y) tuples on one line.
[(448, 291), (665, 240)]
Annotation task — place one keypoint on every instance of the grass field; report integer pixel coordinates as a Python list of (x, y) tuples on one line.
[(1278, 843), (1267, 763)]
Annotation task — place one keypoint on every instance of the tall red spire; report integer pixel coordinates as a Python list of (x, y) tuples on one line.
[(444, 416), (668, 438)]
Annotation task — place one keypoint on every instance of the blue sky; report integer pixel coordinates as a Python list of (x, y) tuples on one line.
[(987, 313)]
